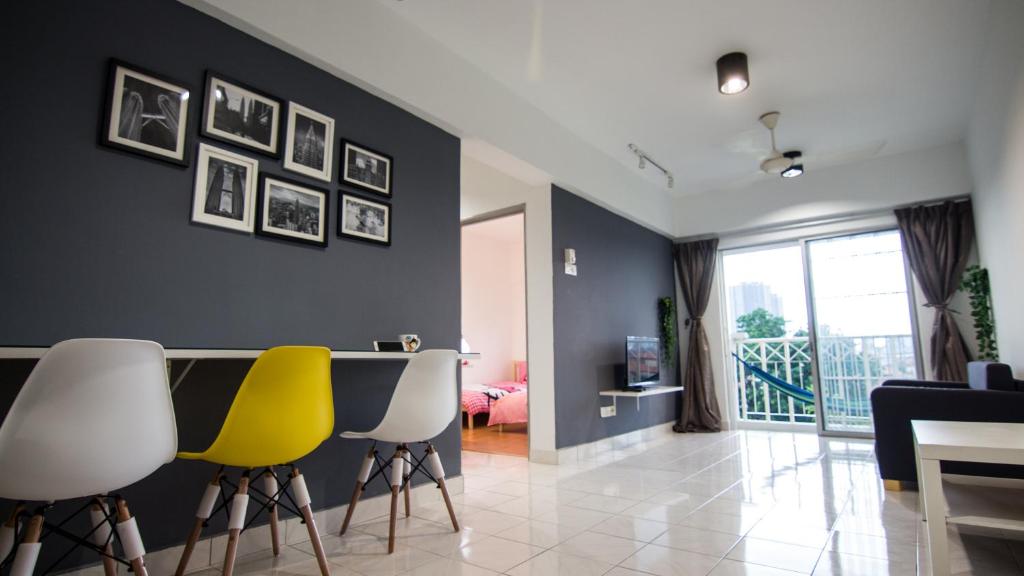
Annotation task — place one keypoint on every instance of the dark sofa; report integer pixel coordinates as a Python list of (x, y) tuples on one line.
[(990, 395)]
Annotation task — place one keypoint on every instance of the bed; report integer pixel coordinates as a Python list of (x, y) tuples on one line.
[(503, 401)]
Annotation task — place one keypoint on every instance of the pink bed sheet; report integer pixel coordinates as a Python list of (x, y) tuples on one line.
[(511, 409)]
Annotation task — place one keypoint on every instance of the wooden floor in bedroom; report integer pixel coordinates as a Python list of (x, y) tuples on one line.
[(511, 440)]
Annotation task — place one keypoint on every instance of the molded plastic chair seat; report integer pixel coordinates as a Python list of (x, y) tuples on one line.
[(424, 403), (283, 410), (94, 416)]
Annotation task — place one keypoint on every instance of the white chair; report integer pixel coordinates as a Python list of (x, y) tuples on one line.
[(424, 403), (94, 416)]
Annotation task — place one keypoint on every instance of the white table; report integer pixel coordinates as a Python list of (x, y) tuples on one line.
[(967, 501), (195, 354)]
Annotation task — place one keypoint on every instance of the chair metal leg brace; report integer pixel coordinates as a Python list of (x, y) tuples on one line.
[(106, 526)]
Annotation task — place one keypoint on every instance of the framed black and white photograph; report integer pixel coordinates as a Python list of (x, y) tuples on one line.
[(146, 114), (365, 169), (292, 211), (309, 142), (225, 190), (364, 220), (241, 115)]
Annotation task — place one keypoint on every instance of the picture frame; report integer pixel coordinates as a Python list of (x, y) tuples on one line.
[(366, 169), (225, 189), (239, 114), (293, 211), (146, 113), (363, 219), (309, 143)]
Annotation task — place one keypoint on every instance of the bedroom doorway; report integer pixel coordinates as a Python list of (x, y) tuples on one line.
[(495, 407)]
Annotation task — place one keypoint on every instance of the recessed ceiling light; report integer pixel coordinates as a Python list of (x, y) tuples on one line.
[(733, 76)]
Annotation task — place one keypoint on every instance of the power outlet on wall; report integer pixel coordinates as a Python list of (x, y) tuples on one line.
[(607, 411)]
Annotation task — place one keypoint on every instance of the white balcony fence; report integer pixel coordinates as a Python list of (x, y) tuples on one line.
[(850, 368)]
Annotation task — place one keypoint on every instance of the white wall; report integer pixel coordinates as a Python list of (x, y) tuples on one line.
[(996, 149), (485, 190), (876, 184), (494, 298)]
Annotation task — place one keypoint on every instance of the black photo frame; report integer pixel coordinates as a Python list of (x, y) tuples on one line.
[(234, 112), (366, 169), (146, 113), (352, 224), (281, 210)]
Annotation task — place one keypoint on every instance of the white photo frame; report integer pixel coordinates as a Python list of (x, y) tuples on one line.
[(309, 143), (225, 189)]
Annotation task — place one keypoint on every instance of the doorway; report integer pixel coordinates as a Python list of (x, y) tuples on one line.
[(814, 325), (495, 391)]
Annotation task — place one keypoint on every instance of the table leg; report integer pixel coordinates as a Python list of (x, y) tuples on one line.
[(930, 479)]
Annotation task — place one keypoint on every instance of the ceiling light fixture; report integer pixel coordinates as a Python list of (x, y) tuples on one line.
[(643, 159), (733, 75), (797, 167)]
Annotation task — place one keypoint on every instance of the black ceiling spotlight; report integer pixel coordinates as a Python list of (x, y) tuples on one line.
[(797, 167), (733, 76)]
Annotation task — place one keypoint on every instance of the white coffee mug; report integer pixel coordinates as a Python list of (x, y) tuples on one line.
[(411, 342)]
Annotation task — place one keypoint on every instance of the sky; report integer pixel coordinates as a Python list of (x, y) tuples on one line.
[(859, 283)]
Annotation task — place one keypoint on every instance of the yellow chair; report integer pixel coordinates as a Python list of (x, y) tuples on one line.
[(283, 411)]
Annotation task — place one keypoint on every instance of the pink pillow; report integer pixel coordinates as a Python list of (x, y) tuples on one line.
[(521, 374)]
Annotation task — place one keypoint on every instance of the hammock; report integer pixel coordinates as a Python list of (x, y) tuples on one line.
[(794, 392)]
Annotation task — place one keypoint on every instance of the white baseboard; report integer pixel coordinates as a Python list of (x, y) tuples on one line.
[(209, 551), (589, 450)]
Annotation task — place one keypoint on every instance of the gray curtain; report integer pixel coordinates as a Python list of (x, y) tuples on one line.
[(695, 263), (937, 240)]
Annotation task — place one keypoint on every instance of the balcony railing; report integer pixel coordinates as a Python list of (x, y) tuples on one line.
[(850, 368)]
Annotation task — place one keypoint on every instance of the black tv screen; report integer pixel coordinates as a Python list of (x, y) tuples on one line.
[(643, 361)]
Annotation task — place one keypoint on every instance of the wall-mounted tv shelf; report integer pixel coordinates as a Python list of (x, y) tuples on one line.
[(651, 391)]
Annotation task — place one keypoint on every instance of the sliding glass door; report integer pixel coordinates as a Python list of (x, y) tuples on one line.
[(863, 327), (815, 325)]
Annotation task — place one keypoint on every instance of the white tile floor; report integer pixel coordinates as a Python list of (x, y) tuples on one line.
[(730, 504)]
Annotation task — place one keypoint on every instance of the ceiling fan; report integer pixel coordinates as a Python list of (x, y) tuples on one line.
[(787, 164)]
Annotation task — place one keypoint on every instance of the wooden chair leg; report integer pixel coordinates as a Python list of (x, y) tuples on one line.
[(202, 515), (301, 494), (101, 534), (397, 471), (8, 532), (438, 471), (239, 506), (270, 487), (364, 475), (28, 550), (407, 479), (131, 542)]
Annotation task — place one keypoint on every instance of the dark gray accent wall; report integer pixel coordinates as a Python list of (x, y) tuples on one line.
[(623, 269), (98, 242)]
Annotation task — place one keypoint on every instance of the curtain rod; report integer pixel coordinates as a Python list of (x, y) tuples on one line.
[(809, 222)]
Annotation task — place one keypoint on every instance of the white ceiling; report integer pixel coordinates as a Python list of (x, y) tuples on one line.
[(853, 79), (560, 88)]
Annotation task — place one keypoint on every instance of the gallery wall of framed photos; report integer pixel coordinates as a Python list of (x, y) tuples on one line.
[(100, 241)]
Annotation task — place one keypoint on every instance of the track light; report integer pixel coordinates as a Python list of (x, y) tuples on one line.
[(642, 164), (733, 75), (643, 159)]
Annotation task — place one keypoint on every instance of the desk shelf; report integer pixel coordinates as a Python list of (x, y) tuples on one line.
[(987, 506), (650, 391)]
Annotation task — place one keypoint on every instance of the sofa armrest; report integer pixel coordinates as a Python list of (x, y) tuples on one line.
[(926, 384), (893, 407)]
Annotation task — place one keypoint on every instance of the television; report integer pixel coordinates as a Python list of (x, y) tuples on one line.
[(643, 362)]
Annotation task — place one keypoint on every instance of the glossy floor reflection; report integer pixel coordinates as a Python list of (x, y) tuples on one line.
[(729, 504)]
